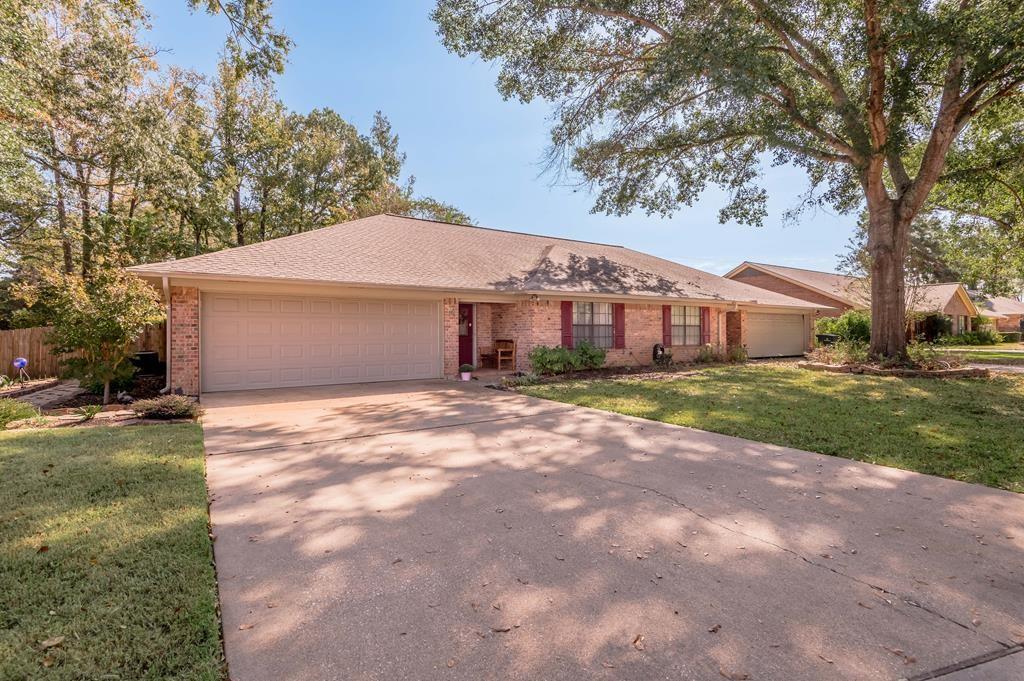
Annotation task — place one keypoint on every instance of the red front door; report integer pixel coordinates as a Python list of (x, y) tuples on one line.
[(465, 334)]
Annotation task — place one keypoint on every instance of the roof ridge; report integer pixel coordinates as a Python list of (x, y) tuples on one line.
[(803, 269), (498, 229)]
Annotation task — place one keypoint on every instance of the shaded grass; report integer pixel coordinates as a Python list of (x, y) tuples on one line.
[(962, 429), (104, 541), (12, 410)]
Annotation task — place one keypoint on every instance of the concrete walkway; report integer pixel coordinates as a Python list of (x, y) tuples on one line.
[(438, 530)]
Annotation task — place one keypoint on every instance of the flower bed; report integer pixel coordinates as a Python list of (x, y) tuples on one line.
[(960, 372)]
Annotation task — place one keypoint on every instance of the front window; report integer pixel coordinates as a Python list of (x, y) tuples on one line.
[(592, 322), (685, 325)]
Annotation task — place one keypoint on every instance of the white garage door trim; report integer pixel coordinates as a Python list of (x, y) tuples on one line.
[(252, 341), (775, 335)]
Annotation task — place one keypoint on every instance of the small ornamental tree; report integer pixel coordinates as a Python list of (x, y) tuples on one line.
[(97, 320)]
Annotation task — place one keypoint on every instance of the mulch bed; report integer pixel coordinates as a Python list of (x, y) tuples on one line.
[(870, 370), (143, 388), (644, 373)]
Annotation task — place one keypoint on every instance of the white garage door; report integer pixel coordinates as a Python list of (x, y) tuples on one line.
[(775, 335), (253, 341)]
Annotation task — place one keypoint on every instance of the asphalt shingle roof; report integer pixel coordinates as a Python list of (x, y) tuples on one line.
[(392, 250)]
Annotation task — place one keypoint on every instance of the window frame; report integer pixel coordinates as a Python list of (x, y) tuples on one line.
[(686, 325), (586, 328)]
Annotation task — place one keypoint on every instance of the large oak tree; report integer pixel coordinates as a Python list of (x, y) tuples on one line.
[(657, 99)]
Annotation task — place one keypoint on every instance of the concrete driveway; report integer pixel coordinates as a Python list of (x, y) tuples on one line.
[(436, 530)]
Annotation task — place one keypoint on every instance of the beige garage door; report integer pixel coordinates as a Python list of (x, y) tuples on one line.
[(775, 335), (253, 341)]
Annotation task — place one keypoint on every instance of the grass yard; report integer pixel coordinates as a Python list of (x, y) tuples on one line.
[(969, 430), (990, 356), (105, 560)]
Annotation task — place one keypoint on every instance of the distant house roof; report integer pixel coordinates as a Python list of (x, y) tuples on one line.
[(843, 288), (397, 251), (854, 291), (1000, 306)]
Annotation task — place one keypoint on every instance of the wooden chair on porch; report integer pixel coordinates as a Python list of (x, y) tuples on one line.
[(487, 356), (505, 351)]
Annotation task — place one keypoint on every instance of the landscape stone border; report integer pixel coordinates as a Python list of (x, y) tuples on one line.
[(29, 387), (966, 372)]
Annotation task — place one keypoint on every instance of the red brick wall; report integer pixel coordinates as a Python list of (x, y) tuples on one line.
[(1011, 323), (736, 329), (184, 352), (770, 283), (450, 327)]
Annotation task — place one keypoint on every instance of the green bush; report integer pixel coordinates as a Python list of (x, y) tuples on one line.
[(737, 354), (559, 360), (123, 378), (520, 381), (927, 356), (14, 410), (979, 337), (589, 357), (852, 325), (167, 407), (843, 352), (708, 354), (1011, 336), (466, 368)]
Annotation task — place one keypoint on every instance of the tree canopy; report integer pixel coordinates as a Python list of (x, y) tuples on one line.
[(107, 159), (655, 100)]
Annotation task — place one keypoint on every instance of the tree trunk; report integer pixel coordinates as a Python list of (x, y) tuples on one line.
[(62, 222), (887, 247), (106, 393), (239, 222)]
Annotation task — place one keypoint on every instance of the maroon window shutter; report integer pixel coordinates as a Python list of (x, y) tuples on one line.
[(567, 323), (618, 325), (705, 325), (666, 325)]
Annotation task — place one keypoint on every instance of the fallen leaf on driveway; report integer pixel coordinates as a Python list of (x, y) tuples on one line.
[(243, 627), (826, 659), (608, 665), (714, 629), (733, 676), (638, 642), (451, 663)]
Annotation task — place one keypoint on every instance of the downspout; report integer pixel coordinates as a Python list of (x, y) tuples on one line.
[(167, 339)]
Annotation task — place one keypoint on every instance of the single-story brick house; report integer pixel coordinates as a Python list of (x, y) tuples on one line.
[(1006, 313), (391, 297), (841, 292)]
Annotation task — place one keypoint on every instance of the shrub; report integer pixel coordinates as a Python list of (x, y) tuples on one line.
[(1011, 336), (122, 379), (89, 411), (466, 368), (927, 356), (14, 410), (167, 407), (979, 337), (852, 325), (559, 360), (843, 352), (589, 357), (708, 354), (737, 354)]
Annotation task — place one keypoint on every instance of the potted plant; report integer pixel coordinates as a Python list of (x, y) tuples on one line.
[(466, 371)]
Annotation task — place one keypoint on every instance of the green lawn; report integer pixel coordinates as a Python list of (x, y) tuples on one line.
[(104, 547), (964, 429), (989, 356)]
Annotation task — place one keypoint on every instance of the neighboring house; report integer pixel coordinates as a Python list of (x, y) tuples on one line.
[(843, 293), (391, 298), (1006, 313)]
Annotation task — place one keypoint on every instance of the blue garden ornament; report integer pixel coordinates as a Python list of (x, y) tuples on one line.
[(20, 363)]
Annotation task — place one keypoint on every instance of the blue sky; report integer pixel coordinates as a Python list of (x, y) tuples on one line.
[(467, 146)]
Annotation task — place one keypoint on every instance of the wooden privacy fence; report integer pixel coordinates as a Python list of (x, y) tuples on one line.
[(43, 362)]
